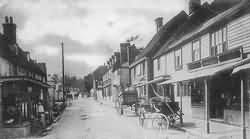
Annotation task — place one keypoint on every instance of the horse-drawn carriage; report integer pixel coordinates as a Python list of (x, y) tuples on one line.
[(128, 98), (162, 111)]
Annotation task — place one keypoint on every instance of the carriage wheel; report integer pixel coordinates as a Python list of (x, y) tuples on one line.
[(160, 123)]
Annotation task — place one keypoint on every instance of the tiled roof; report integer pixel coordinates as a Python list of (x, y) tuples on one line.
[(16, 55), (163, 34), (183, 37)]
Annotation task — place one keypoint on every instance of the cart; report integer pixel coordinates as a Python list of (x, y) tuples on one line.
[(161, 111), (129, 99)]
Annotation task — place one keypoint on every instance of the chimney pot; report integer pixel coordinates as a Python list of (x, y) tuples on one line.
[(6, 19), (159, 23), (194, 5), (9, 30), (11, 20), (123, 52)]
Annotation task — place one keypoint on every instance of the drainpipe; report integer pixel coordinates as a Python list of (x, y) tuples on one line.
[(243, 118)]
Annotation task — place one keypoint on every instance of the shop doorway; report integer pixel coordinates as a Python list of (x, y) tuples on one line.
[(224, 93)]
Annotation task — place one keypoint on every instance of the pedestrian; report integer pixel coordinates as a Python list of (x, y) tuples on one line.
[(41, 113)]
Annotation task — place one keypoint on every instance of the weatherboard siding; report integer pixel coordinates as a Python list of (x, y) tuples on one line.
[(239, 33)]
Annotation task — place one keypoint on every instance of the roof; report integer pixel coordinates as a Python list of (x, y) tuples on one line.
[(223, 17), (163, 34), (194, 21), (14, 54)]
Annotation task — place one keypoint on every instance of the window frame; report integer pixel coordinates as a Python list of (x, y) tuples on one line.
[(218, 41), (180, 66), (158, 62), (199, 51)]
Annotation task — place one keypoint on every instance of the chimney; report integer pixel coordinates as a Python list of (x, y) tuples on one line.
[(117, 58), (193, 5), (124, 54), (9, 30), (159, 23), (132, 52)]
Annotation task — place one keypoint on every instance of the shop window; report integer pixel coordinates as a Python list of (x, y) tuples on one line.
[(197, 93), (184, 89), (196, 50)]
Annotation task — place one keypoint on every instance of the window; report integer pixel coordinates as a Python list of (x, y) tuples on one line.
[(134, 72), (143, 68), (178, 59), (218, 41), (138, 70), (1, 72), (158, 64), (196, 50)]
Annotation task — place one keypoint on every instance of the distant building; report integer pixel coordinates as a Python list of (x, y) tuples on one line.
[(116, 79), (98, 82), (23, 84)]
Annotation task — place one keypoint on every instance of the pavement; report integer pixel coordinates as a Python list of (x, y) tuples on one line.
[(90, 119)]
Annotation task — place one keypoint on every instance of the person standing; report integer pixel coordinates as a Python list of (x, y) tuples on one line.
[(41, 114)]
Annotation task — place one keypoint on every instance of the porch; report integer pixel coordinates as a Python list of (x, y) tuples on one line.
[(214, 95)]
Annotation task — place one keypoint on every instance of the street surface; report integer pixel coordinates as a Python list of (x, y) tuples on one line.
[(89, 119)]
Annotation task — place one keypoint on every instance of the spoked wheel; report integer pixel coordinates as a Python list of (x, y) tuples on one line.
[(160, 123)]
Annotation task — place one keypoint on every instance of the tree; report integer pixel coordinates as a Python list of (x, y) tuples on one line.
[(88, 83)]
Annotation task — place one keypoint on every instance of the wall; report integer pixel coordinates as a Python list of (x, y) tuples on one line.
[(124, 78), (4, 67), (239, 33)]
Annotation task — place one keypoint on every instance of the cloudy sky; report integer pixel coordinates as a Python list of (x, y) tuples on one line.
[(91, 29)]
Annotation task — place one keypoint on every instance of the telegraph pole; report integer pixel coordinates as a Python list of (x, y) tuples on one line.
[(64, 93)]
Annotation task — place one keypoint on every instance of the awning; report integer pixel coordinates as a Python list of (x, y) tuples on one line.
[(205, 72), (23, 78), (160, 79), (241, 68)]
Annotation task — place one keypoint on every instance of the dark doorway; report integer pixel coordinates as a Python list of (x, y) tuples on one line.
[(224, 90)]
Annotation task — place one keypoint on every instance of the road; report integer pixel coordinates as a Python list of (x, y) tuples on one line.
[(89, 119)]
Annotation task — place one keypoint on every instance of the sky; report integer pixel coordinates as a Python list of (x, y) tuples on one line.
[(90, 29)]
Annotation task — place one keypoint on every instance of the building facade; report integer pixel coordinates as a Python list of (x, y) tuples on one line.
[(116, 79), (208, 65), (141, 69), (23, 85)]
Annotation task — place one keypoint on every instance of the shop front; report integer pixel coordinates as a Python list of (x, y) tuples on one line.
[(21, 98)]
